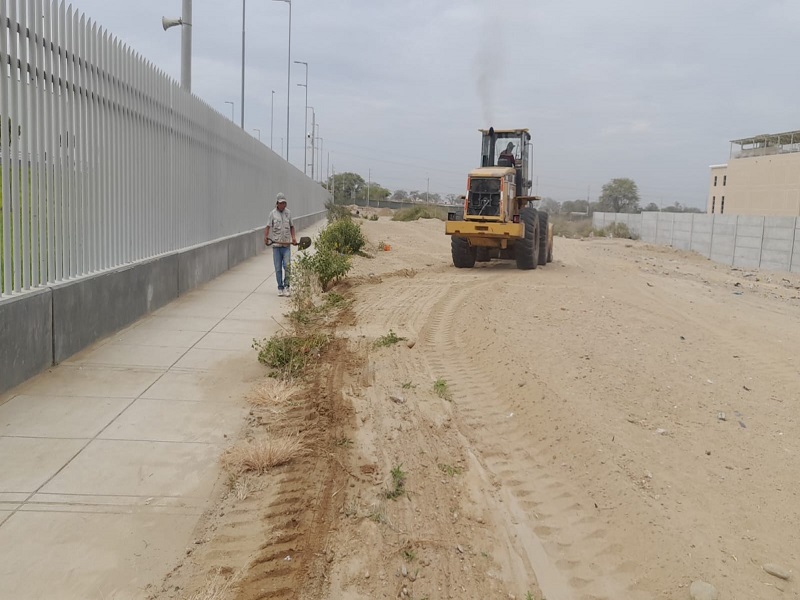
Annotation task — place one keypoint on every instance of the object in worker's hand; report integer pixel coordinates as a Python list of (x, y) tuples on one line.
[(305, 242)]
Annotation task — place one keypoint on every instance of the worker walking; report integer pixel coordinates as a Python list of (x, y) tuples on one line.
[(280, 235)]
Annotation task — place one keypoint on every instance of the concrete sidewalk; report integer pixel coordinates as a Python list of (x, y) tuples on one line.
[(109, 459)]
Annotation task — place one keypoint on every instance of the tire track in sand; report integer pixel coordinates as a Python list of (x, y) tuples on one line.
[(580, 563)]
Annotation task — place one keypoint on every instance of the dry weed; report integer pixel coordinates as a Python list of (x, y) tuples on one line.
[(216, 588), (273, 392), (246, 485), (259, 456)]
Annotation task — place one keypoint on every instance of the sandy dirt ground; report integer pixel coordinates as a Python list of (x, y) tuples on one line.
[(616, 425)]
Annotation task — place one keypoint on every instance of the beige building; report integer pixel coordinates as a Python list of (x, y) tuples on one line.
[(762, 177)]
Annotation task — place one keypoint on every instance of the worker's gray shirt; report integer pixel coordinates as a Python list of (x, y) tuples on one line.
[(280, 227)]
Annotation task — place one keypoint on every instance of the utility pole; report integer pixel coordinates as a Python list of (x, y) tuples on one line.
[(428, 192), (186, 42), (369, 185), (305, 122), (313, 127), (272, 120), (588, 201), (243, 55)]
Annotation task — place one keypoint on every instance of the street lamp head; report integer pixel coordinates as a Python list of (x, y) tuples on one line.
[(300, 62), (167, 23)]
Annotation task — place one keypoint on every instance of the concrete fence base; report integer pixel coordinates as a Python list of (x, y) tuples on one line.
[(44, 327), (771, 243)]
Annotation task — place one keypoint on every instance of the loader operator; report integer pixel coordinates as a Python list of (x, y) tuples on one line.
[(506, 158)]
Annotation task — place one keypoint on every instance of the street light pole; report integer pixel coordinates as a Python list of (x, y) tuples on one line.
[(243, 49), (272, 120), (186, 42), (259, 134), (310, 137), (288, 76), (305, 124), (231, 103)]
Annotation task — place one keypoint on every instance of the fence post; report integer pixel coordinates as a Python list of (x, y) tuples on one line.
[(658, 218), (735, 241), (761, 245), (794, 238), (711, 247), (691, 232)]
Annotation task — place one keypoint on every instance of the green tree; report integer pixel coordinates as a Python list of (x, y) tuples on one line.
[(652, 207), (400, 195), (620, 196), (346, 187), (376, 192)]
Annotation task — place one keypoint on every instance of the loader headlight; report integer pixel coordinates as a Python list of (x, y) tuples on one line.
[(451, 216), (516, 219)]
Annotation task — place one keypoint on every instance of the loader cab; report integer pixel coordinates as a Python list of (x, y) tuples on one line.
[(508, 148)]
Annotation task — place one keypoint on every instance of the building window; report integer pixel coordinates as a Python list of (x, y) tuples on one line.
[(715, 181), (713, 204), (724, 180), (722, 205)]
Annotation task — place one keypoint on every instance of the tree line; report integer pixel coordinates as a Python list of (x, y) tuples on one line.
[(351, 187), (617, 196)]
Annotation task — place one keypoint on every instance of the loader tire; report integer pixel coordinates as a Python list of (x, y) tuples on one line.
[(463, 254), (527, 249), (482, 255), (544, 218)]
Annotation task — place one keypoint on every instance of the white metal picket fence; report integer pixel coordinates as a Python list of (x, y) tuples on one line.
[(106, 161)]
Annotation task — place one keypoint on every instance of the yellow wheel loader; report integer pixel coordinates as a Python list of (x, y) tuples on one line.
[(500, 218)]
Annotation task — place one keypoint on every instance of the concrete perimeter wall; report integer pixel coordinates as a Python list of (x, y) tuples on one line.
[(44, 327), (747, 242)]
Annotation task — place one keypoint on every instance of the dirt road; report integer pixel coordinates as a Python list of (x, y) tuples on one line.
[(616, 425)]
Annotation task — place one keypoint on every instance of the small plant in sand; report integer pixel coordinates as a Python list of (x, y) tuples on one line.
[(450, 470), (441, 389), (398, 483), (390, 339), (261, 455)]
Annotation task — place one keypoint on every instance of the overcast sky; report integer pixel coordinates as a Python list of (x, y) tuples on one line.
[(609, 88)]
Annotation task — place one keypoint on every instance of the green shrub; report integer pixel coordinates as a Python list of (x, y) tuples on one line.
[(373, 217), (343, 236), (326, 264), (420, 212), (289, 354)]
